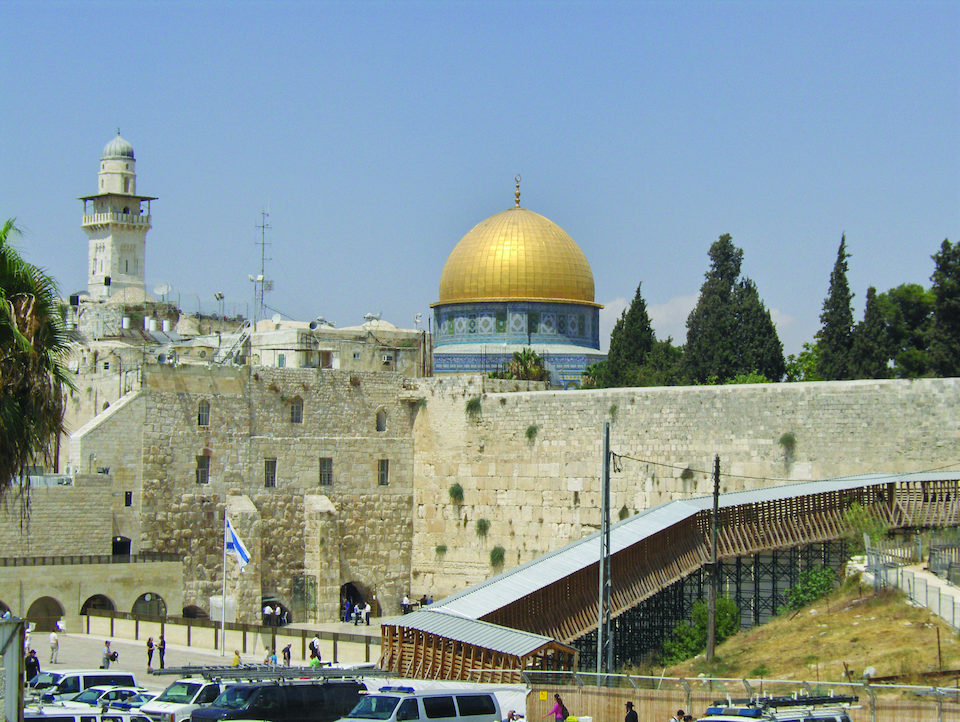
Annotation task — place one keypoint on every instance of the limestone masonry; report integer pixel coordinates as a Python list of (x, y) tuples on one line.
[(339, 482)]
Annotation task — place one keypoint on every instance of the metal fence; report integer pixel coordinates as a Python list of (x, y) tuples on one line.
[(89, 559), (942, 601)]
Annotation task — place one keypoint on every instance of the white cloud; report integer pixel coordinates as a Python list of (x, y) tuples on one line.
[(608, 317), (667, 319)]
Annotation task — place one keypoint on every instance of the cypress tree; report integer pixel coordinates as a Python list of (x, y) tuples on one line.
[(945, 342), (631, 340), (836, 322), (759, 345), (711, 350), (870, 350), (907, 312)]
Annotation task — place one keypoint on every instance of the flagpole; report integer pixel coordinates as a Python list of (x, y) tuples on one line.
[(223, 593)]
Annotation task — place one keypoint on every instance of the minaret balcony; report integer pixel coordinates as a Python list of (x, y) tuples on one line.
[(130, 219)]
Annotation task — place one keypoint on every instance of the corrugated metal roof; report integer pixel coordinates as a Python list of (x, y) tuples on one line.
[(499, 591), (471, 631)]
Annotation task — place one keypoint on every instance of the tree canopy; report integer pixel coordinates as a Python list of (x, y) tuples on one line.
[(730, 332), (33, 343), (945, 343)]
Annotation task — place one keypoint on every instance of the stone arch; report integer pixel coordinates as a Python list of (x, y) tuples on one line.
[(45, 612), (150, 604), (282, 614), (192, 611), (358, 592), (98, 601), (381, 419)]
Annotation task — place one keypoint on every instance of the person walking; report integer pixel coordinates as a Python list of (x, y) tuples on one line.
[(559, 710), (678, 717), (631, 715), (161, 649), (107, 656), (236, 658), (54, 647), (149, 653), (31, 665), (285, 653), (366, 613)]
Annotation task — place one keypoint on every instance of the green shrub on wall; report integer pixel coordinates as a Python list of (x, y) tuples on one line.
[(483, 526), (456, 494), (497, 555)]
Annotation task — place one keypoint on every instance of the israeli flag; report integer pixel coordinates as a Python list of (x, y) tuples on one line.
[(234, 546)]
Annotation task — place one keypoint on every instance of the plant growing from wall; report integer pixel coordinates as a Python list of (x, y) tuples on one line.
[(531, 432), (613, 412), (441, 550), (497, 555), (686, 474), (474, 406), (788, 442), (624, 512), (483, 526), (456, 494)]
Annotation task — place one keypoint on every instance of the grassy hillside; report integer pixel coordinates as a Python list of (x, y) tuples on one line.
[(852, 625)]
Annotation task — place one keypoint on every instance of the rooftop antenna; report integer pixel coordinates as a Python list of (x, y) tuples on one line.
[(261, 279)]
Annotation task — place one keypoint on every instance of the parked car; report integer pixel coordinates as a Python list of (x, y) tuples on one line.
[(288, 702), (70, 683), (102, 696), (135, 702), (178, 701), (395, 704)]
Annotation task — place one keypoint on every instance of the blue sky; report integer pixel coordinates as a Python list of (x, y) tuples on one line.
[(379, 133)]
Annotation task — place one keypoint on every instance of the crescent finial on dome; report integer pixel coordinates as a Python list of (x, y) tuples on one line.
[(517, 192)]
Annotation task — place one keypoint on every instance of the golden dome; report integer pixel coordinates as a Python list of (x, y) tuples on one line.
[(516, 254)]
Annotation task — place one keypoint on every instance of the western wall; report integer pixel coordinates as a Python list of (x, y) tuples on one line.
[(530, 463)]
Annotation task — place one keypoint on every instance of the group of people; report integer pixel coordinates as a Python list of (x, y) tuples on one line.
[(31, 662), (680, 716), (559, 713), (275, 616), (161, 649), (406, 606), (357, 612), (270, 657)]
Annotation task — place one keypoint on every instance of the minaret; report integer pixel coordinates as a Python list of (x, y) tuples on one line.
[(116, 223)]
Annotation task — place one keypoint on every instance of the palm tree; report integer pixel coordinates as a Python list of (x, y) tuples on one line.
[(33, 343), (528, 365)]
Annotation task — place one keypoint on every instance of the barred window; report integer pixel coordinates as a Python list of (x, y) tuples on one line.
[(383, 472), (203, 413), (381, 420), (326, 471), (203, 469), (296, 411), (269, 473)]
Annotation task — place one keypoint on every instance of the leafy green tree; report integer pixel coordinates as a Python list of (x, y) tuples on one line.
[(907, 312), (870, 351), (813, 584), (860, 520), (689, 639), (631, 340), (729, 331), (33, 344), (803, 366), (836, 322), (663, 366), (527, 365), (945, 342), (711, 349), (759, 347)]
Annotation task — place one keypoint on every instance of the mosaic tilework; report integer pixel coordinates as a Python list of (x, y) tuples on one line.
[(517, 322)]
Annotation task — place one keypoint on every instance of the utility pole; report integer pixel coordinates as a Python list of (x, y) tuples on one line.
[(604, 642), (264, 227), (714, 577)]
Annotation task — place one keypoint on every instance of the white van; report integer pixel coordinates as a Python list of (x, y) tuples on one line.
[(395, 704), (64, 685), (177, 702), (58, 714)]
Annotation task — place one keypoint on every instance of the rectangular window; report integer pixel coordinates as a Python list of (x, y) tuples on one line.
[(356, 355), (281, 360), (203, 469), (326, 471), (106, 365), (128, 498), (383, 472), (269, 473)]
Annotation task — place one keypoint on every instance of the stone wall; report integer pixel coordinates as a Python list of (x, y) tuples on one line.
[(530, 463)]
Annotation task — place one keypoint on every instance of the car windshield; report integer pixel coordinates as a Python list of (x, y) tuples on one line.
[(89, 696), (374, 706), (180, 692), (46, 679), (234, 697)]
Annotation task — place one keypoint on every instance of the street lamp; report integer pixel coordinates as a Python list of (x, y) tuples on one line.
[(219, 297)]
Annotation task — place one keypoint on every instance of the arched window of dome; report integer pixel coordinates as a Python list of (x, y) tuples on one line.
[(296, 410), (203, 413), (381, 419)]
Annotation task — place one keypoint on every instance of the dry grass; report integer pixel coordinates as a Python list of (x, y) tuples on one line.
[(852, 626)]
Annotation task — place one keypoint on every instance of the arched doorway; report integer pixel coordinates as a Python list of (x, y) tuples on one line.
[(355, 593), (192, 611), (45, 612), (121, 546), (98, 601), (4, 609), (150, 604)]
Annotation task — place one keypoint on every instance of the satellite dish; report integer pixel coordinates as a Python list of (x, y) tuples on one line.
[(276, 318), (372, 316), (162, 289)]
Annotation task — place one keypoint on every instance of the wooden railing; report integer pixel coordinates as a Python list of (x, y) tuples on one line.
[(88, 559)]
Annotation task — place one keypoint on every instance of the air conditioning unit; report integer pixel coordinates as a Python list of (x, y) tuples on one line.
[(387, 359)]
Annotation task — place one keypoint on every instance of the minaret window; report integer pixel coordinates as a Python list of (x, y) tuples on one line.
[(126, 185)]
